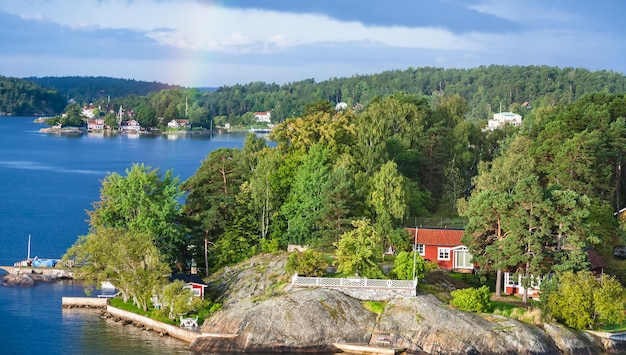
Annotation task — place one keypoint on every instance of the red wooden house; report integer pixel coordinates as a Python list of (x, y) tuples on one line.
[(513, 283), (442, 246)]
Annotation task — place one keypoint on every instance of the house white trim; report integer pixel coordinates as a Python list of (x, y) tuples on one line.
[(443, 253)]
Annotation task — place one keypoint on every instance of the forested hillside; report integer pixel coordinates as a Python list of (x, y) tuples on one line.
[(88, 89), (486, 89), (536, 197), (21, 97)]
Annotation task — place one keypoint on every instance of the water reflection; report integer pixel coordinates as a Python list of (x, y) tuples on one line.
[(105, 336)]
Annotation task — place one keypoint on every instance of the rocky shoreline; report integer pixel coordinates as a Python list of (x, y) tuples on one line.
[(27, 279), (80, 130), (263, 312), (262, 317)]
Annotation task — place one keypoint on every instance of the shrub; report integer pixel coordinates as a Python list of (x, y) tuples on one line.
[(472, 299), (582, 301), (177, 300), (403, 266), (307, 263)]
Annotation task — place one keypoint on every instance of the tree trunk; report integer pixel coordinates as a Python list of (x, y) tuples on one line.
[(498, 283), (206, 257)]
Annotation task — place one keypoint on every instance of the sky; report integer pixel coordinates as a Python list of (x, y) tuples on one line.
[(212, 43)]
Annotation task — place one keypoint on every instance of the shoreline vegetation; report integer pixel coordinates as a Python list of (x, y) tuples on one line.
[(80, 130)]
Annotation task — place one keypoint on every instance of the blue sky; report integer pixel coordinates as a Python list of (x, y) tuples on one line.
[(224, 42)]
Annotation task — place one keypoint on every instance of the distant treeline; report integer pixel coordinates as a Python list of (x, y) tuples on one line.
[(88, 89), (486, 89), (50, 95), (22, 97)]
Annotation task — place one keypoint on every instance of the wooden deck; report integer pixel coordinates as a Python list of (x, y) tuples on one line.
[(367, 349)]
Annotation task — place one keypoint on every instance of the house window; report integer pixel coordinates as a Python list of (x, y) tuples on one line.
[(443, 254), (463, 259), (420, 249), (535, 281), (511, 280)]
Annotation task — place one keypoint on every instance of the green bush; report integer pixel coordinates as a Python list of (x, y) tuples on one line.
[(208, 307), (177, 301), (307, 263), (582, 301), (472, 299), (403, 266)]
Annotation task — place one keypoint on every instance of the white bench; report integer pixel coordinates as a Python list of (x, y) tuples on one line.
[(383, 341), (188, 322)]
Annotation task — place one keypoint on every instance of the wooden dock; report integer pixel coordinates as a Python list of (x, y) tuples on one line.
[(367, 349)]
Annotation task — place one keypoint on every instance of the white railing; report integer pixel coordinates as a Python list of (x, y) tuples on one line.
[(349, 282)]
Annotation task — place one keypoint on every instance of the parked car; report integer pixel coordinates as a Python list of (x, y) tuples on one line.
[(619, 251)]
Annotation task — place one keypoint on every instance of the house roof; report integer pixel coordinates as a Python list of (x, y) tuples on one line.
[(595, 259), (188, 278), (433, 236)]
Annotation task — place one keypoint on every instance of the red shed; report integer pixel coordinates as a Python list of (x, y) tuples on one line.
[(442, 246), (196, 288), (192, 282)]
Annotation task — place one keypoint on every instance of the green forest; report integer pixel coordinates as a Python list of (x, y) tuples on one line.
[(25, 98), (532, 199), (394, 163), (90, 89), (485, 90)]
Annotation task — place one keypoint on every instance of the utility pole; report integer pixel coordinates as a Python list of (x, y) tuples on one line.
[(415, 252)]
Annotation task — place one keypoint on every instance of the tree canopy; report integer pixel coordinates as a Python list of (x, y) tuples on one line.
[(143, 201)]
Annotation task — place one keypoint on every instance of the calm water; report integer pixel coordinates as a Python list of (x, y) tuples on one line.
[(48, 182)]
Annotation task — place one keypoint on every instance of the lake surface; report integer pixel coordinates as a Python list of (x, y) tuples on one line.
[(48, 183)]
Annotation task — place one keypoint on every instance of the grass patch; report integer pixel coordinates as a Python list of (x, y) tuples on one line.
[(612, 328), (374, 306), (130, 307), (503, 308), (513, 309)]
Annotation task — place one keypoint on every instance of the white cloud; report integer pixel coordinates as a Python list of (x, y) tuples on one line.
[(211, 28), (192, 43), (525, 11), (37, 17)]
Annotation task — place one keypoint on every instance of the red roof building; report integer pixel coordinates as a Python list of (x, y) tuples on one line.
[(442, 246)]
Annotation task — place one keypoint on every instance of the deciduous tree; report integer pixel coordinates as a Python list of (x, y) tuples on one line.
[(128, 259), (143, 201), (582, 301), (357, 251)]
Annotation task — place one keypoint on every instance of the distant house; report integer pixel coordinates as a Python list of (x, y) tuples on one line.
[(513, 284), (179, 124), (192, 282), (596, 262), (130, 126), (503, 118), (263, 116), (341, 106), (442, 246), (88, 112), (95, 125)]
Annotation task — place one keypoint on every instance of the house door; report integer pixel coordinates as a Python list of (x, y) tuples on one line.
[(462, 259)]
